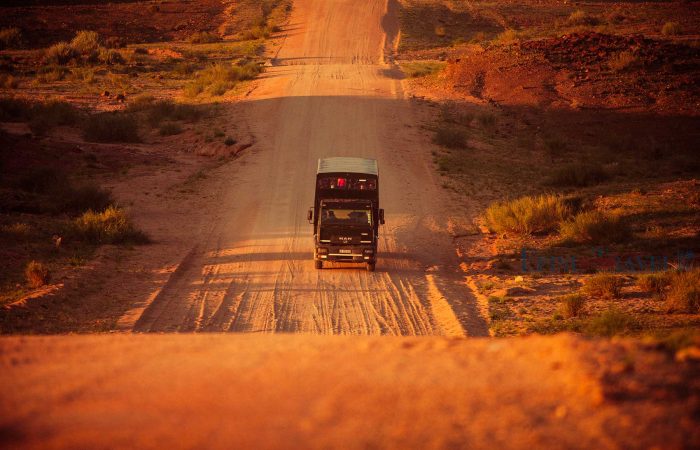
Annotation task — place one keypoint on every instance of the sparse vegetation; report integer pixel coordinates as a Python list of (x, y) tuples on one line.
[(111, 127), (37, 274), (571, 305), (604, 285), (111, 226), (229, 141), (450, 136), (684, 292), (595, 227), (527, 215)]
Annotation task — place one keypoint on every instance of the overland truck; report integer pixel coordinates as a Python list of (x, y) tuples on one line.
[(346, 214)]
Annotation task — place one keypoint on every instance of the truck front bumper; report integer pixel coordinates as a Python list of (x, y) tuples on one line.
[(345, 253)]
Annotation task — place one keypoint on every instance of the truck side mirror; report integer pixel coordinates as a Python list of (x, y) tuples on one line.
[(310, 215), (381, 216)]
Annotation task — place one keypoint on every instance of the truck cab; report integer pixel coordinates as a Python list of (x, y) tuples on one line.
[(346, 214)]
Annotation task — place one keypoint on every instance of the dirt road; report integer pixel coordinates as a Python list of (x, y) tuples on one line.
[(330, 92), (300, 391)]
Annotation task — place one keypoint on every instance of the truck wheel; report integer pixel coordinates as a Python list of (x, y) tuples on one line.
[(318, 264), (371, 266)]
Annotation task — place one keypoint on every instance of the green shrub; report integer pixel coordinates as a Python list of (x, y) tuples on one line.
[(203, 37), (578, 175), (111, 127), (61, 53), (170, 129), (527, 215), (450, 137), (10, 38), (85, 42), (610, 323), (571, 305), (604, 285), (684, 292), (37, 274), (671, 29), (654, 283), (229, 141), (112, 226), (595, 227)]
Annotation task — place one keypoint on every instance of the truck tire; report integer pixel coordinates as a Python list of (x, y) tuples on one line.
[(318, 264), (371, 266)]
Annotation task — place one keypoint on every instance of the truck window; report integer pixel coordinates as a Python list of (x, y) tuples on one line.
[(345, 217)]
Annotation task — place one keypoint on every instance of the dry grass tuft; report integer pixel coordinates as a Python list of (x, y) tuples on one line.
[(595, 227), (577, 175), (527, 215), (582, 18), (654, 283), (10, 38), (622, 61), (111, 127), (111, 226), (671, 29), (571, 305), (37, 274), (218, 79), (684, 292), (61, 53), (86, 42), (450, 136), (604, 285), (610, 323), (204, 37)]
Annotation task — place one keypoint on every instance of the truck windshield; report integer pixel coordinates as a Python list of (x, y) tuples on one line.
[(346, 217)]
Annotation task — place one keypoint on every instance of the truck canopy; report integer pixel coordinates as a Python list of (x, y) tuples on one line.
[(342, 164)]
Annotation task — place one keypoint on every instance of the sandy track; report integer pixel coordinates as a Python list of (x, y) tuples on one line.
[(329, 93)]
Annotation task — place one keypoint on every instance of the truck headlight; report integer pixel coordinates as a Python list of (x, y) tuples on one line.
[(322, 251), (369, 251)]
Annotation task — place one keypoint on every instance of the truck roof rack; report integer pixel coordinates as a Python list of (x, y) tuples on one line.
[(347, 164)]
